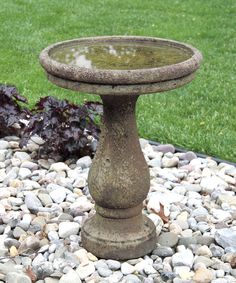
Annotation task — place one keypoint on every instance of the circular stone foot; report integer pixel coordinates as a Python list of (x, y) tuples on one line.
[(119, 239)]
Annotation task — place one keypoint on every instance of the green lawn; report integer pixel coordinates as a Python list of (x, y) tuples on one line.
[(200, 116)]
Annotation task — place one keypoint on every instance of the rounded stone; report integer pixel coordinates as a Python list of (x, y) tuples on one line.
[(38, 260), (168, 275), (175, 228), (70, 277), (23, 156), (59, 166), (38, 140), (44, 163), (84, 162), (58, 196), (82, 204), (170, 162), (205, 240), (9, 242), (156, 162), (32, 202), (189, 155), (116, 277), (4, 144), (168, 239), (184, 257), (187, 241), (82, 256), (131, 278), (85, 271), (220, 273), (216, 251), (163, 251), (127, 268), (53, 235), (104, 272), (18, 232), (29, 165), (45, 198), (204, 260), (113, 264), (101, 263), (187, 233), (31, 243), (204, 251), (16, 277), (226, 237), (43, 269), (68, 228), (25, 222), (165, 148), (203, 275), (148, 269)]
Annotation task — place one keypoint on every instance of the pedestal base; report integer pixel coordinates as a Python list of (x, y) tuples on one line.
[(119, 239)]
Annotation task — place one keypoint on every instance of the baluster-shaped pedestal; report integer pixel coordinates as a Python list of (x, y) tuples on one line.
[(119, 182)]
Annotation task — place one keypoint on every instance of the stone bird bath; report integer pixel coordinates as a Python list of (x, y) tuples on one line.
[(119, 69)]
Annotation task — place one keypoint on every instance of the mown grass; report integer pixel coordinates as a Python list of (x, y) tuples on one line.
[(199, 116)]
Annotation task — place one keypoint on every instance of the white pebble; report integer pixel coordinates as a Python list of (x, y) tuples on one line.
[(59, 166), (68, 228), (127, 268)]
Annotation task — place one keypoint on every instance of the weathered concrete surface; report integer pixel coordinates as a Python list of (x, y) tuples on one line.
[(121, 77), (119, 182), (119, 177)]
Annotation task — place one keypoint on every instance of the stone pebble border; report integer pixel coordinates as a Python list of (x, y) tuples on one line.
[(201, 155), (43, 204)]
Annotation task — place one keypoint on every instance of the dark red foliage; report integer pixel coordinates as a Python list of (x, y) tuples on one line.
[(68, 130), (12, 115)]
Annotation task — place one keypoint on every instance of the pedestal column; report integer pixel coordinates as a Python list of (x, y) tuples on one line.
[(119, 182)]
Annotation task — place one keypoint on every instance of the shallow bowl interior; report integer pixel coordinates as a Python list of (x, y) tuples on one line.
[(121, 60)]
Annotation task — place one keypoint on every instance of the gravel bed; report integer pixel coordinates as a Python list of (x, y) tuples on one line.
[(43, 204)]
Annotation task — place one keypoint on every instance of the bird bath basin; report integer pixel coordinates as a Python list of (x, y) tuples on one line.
[(119, 69)]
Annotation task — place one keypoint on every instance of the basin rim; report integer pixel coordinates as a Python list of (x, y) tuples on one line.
[(124, 77)]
